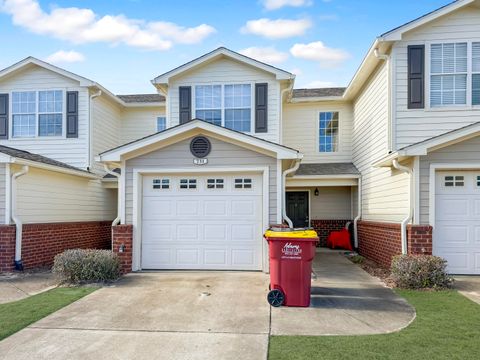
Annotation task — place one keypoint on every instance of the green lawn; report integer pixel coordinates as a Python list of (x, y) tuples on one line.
[(16, 315), (447, 326)]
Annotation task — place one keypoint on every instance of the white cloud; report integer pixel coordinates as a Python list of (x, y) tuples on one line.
[(276, 29), (63, 56), (84, 26), (297, 71), (266, 54), (317, 51), (277, 4)]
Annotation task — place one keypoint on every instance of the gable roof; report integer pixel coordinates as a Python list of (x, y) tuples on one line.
[(14, 154), (281, 151), (142, 98), (223, 52)]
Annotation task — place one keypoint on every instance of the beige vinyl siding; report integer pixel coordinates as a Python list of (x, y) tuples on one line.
[(465, 152), (384, 191), (227, 71), (412, 125), (46, 197), (222, 155), (3, 192), (139, 122), (301, 132), (105, 127), (73, 151)]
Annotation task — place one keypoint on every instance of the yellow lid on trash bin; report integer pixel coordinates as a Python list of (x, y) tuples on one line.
[(292, 233)]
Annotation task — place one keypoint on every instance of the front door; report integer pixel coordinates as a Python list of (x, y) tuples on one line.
[(297, 208)]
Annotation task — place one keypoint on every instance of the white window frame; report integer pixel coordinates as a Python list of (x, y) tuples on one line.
[(222, 84), (468, 105), (37, 118), (317, 134)]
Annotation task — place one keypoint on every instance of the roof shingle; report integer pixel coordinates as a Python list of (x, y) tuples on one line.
[(327, 169), (142, 98), (319, 92)]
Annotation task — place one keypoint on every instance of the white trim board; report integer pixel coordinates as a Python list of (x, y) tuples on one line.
[(137, 203)]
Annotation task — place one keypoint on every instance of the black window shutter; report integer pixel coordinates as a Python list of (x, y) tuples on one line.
[(185, 104), (416, 76), (261, 108), (3, 116), (72, 114)]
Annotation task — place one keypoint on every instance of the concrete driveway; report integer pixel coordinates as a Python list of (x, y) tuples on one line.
[(207, 315)]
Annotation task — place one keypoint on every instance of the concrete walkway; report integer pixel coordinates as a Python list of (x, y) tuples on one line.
[(345, 301), (468, 286), (17, 286)]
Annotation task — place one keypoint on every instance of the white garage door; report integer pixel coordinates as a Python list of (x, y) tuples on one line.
[(457, 220), (202, 222)]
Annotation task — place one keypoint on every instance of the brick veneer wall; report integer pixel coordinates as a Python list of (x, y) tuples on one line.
[(325, 227), (41, 242), (122, 237), (381, 241)]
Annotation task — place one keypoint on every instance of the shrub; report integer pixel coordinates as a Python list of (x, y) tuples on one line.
[(357, 259), (420, 272), (86, 266)]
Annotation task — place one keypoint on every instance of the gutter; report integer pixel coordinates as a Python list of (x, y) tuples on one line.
[(284, 195), (113, 173), (405, 221), (359, 213), (284, 91), (16, 219)]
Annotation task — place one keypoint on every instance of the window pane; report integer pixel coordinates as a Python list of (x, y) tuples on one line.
[(328, 131), (161, 123), (50, 125), (476, 57), (476, 89), (237, 104), (212, 116), (238, 119), (23, 113), (23, 125)]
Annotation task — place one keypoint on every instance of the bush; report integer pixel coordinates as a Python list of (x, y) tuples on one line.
[(86, 266), (420, 272), (357, 259)]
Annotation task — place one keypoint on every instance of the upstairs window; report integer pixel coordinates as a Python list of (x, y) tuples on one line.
[(448, 68), (476, 73), (328, 132), (161, 123), (24, 108), (50, 113), (228, 105)]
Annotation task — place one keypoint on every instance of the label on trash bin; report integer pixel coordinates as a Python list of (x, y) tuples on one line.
[(291, 251)]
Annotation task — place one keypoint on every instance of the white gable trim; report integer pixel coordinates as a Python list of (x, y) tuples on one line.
[(279, 74), (396, 34), (280, 151)]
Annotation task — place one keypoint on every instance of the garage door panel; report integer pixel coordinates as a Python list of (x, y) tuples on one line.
[(243, 257), (456, 235), (152, 232), (243, 208), (215, 208), (215, 257), (157, 207), (187, 208), (187, 256)]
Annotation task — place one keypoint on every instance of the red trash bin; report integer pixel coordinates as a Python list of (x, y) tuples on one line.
[(291, 255)]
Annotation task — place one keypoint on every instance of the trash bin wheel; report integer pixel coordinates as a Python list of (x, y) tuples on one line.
[(276, 298)]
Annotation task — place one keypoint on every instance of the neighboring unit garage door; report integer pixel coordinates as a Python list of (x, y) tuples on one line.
[(211, 222), (457, 220)]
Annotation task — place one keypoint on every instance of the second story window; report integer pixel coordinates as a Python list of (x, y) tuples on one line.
[(50, 113), (228, 105), (161, 123), (328, 132), (24, 108), (448, 68), (476, 73)]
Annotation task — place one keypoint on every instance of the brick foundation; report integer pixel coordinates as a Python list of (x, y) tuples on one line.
[(381, 241), (122, 241), (325, 227), (41, 242)]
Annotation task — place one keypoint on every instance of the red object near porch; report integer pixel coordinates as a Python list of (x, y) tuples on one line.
[(339, 240)]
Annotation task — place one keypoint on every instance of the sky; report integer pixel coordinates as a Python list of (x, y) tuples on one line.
[(123, 44)]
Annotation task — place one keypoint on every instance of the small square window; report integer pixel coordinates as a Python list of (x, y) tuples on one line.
[(161, 123), (243, 183), (478, 181), (214, 183), (454, 181), (161, 184), (188, 183)]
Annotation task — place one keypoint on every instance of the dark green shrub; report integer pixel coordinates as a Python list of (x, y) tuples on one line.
[(79, 266), (420, 272)]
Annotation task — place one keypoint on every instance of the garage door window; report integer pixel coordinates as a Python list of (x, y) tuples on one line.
[(243, 183), (215, 183), (161, 184), (454, 181), (188, 183), (478, 181)]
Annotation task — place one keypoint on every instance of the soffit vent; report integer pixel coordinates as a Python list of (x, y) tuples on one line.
[(200, 146)]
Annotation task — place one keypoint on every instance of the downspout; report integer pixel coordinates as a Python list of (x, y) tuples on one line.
[(405, 221), (90, 132), (284, 196), (284, 91), (119, 202), (16, 219), (359, 213)]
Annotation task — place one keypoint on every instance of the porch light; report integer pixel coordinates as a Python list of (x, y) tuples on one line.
[(316, 192)]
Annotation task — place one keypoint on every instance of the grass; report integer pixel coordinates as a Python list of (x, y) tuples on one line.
[(17, 315), (447, 326)]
